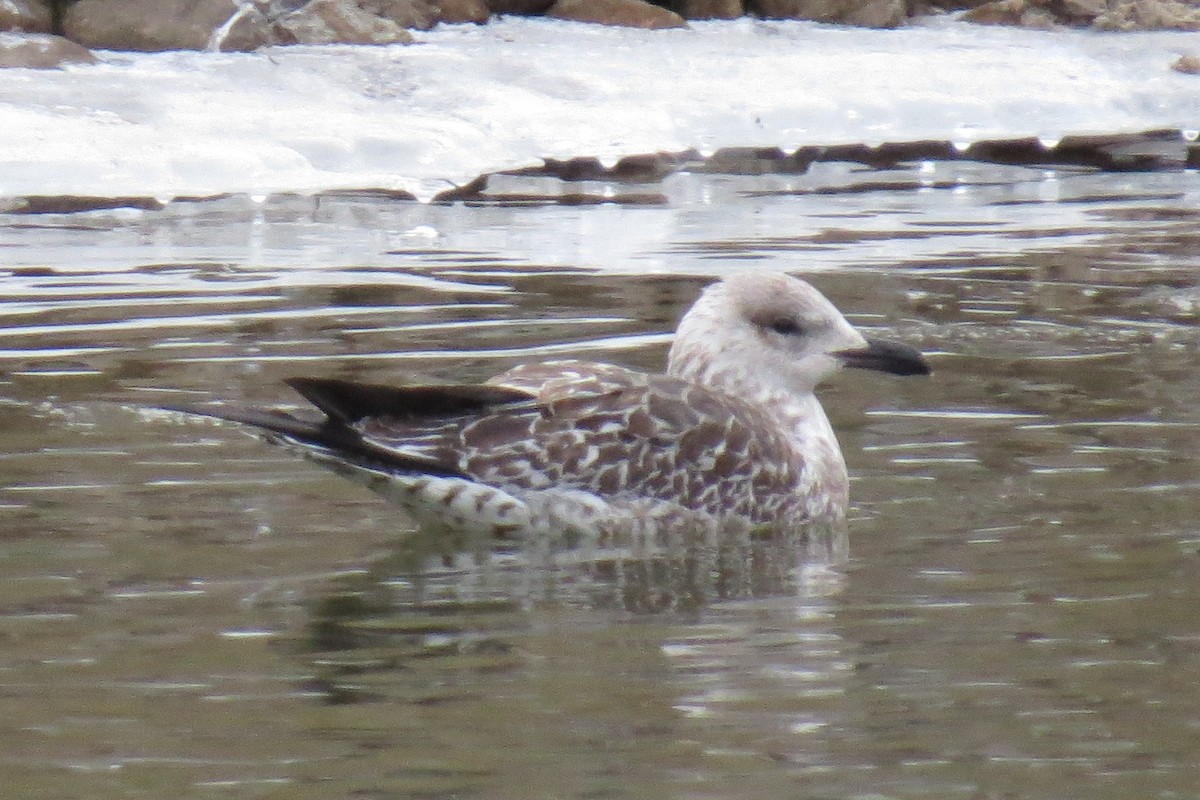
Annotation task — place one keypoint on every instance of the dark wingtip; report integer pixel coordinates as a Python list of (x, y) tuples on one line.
[(348, 402), (272, 421), (339, 442), (893, 358)]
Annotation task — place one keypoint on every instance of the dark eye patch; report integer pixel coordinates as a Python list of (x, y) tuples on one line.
[(785, 326)]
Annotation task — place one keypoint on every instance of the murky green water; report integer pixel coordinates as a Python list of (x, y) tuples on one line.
[(185, 611)]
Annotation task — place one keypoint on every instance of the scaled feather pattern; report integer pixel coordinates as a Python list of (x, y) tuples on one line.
[(730, 435)]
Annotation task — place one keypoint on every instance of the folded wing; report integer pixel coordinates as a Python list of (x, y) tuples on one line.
[(608, 431)]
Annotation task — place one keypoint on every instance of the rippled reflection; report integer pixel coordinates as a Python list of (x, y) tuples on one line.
[(190, 610)]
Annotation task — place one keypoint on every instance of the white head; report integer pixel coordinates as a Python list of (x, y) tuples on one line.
[(770, 327)]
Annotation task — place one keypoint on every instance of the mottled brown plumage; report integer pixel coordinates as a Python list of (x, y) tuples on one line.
[(731, 434), (615, 433)]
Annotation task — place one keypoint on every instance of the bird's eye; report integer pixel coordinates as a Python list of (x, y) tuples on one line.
[(785, 326)]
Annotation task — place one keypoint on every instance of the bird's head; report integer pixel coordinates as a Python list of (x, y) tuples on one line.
[(756, 327)]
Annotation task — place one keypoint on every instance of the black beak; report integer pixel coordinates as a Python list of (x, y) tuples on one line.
[(891, 357)]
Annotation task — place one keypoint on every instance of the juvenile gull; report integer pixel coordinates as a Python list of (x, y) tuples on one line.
[(731, 433)]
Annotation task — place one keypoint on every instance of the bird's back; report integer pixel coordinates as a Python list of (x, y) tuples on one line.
[(619, 441)]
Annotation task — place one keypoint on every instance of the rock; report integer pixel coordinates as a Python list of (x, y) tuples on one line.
[(248, 29), (1108, 15), (277, 8), (41, 51), (146, 25), (338, 22), (30, 16), (710, 9), (461, 10), (1082, 11), (922, 7), (519, 6), (1187, 63), (1011, 12), (1150, 15), (627, 13), (405, 13), (864, 13)]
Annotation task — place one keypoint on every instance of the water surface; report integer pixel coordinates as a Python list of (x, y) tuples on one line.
[(185, 610)]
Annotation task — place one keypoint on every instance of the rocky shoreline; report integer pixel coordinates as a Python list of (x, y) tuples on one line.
[(51, 33)]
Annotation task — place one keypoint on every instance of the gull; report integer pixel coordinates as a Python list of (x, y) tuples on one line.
[(731, 434)]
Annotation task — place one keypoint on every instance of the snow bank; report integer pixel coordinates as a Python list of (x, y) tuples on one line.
[(468, 100)]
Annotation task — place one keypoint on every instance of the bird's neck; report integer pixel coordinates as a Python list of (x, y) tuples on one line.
[(823, 469), (815, 450)]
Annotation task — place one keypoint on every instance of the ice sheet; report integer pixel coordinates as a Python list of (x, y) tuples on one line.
[(469, 99)]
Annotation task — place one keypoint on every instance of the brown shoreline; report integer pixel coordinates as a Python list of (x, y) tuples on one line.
[(54, 32)]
